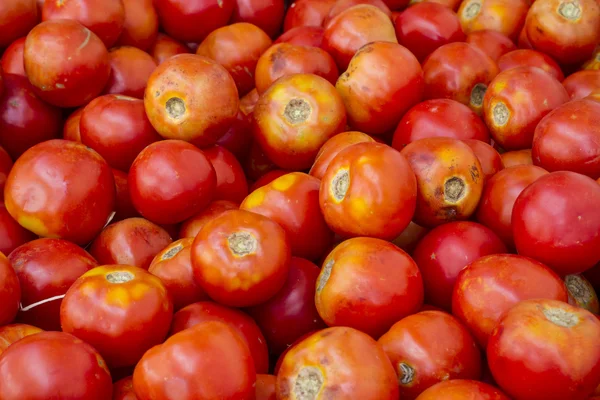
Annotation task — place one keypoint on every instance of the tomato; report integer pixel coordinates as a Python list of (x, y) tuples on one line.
[(555, 224), (10, 291), (257, 163), (523, 41), (62, 189), (123, 389), (459, 71), (12, 234), (25, 120), (17, 17), (582, 293), (492, 43), (132, 241), (83, 374), (566, 31), (234, 264), (460, 389), (358, 197), (11, 61), (67, 64), (445, 251), (582, 83), (12, 333), (267, 15), (488, 157), (424, 27), (295, 117), (269, 177), (192, 98), (516, 100), (166, 47), (562, 142), (238, 138), (170, 181), (535, 341), (353, 28), (499, 196), (140, 26), (71, 127), (530, 58), (342, 5), (303, 36), (516, 157), (284, 59), (332, 148), (130, 70), (204, 311), (123, 207), (209, 361), (307, 13), (410, 236), (504, 16), (430, 347), (193, 225), (121, 310), (231, 182), (265, 387), (6, 165), (592, 64), (340, 363)]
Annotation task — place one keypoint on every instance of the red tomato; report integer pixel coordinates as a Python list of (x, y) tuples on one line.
[(492, 43), (231, 181), (10, 291), (430, 347), (342, 5), (123, 389), (120, 310), (210, 361), (12, 235), (267, 15), (140, 27), (124, 207), (340, 363), (166, 47), (504, 16), (303, 36), (490, 160), (536, 342), (555, 220), (204, 311), (265, 387), (71, 127), (445, 251), (582, 293), (129, 73), (6, 165), (170, 181), (333, 147), (132, 241), (516, 157), (10, 334), (17, 17), (28, 369), (460, 389), (582, 83), (193, 225), (307, 13), (11, 61), (269, 177), (530, 58)]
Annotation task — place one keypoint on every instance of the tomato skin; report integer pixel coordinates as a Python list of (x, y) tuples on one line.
[(445, 251), (332, 148), (123, 389), (12, 235), (71, 129), (530, 58), (489, 158), (459, 389), (582, 83), (166, 47), (10, 291), (430, 347), (6, 165), (12, 333), (203, 311), (303, 36), (257, 163), (269, 177), (130, 69), (59, 80), (84, 375), (592, 64), (233, 263), (231, 181), (375, 103), (553, 223), (218, 365), (504, 16), (124, 207), (342, 363), (516, 157), (267, 15), (11, 61), (567, 35), (193, 225), (307, 13), (512, 122), (142, 321), (410, 237), (535, 340), (265, 387), (492, 43), (140, 26), (18, 17), (499, 196)]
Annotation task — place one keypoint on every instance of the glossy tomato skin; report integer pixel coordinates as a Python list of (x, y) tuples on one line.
[(192, 98), (535, 340), (499, 196), (375, 102), (555, 220), (268, 178), (489, 158), (71, 127), (25, 120), (332, 148), (12, 235), (342, 5), (338, 362), (351, 290), (130, 69), (73, 188), (291, 313), (171, 180), (144, 312), (516, 157), (204, 311), (303, 36), (493, 43), (231, 182), (292, 201), (84, 374), (6, 165), (12, 59), (58, 79), (530, 58), (132, 241), (166, 47), (123, 389), (267, 15), (193, 225), (307, 13), (459, 71), (117, 128), (568, 32), (458, 389), (439, 118), (10, 291), (140, 26), (349, 201), (445, 251), (582, 83), (12, 333), (430, 347), (516, 101), (504, 16), (17, 19), (562, 143), (217, 364), (241, 258)]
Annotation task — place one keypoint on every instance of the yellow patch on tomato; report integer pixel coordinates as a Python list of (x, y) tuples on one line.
[(284, 182), (35, 225), (118, 296)]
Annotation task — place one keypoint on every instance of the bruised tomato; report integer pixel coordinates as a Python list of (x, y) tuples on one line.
[(193, 225), (530, 58), (17, 17), (11, 61), (120, 310), (231, 182), (460, 389), (130, 69), (493, 43), (504, 16), (488, 157), (10, 291), (332, 147), (265, 14), (165, 47), (12, 333), (140, 26), (582, 83)]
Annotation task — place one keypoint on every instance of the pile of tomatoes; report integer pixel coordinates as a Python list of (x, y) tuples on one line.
[(322, 200)]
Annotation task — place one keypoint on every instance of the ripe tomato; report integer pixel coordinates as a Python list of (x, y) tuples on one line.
[(257, 163), (536, 342), (340, 363), (192, 98), (17, 17), (120, 310), (582, 83), (11, 61), (460, 389), (307, 13), (10, 291), (124, 207), (67, 64), (140, 27), (592, 64), (303, 36), (204, 311), (409, 237), (10, 334), (492, 43), (241, 258), (265, 387), (132, 241), (375, 101), (445, 251), (166, 47), (530, 58), (6, 165), (210, 360), (342, 5), (231, 182), (193, 225), (71, 129), (12, 235), (516, 157), (130, 69), (28, 369), (267, 15), (430, 347), (489, 158), (504, 16), (123, 389), (332, 148), (269, 177), (358, 197), (582, 293)]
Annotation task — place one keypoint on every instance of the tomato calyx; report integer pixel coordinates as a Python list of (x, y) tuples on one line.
[(118, 277), (406, 373), (297, 111), (308, 383), (560, 317), (242, 243), (325, 274)]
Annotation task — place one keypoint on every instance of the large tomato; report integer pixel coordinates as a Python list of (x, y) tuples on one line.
[(504, 16), (266, 14), (461, 389), (491, 42), (140, 27), (10, 291), (530, 58), (166, 47)]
